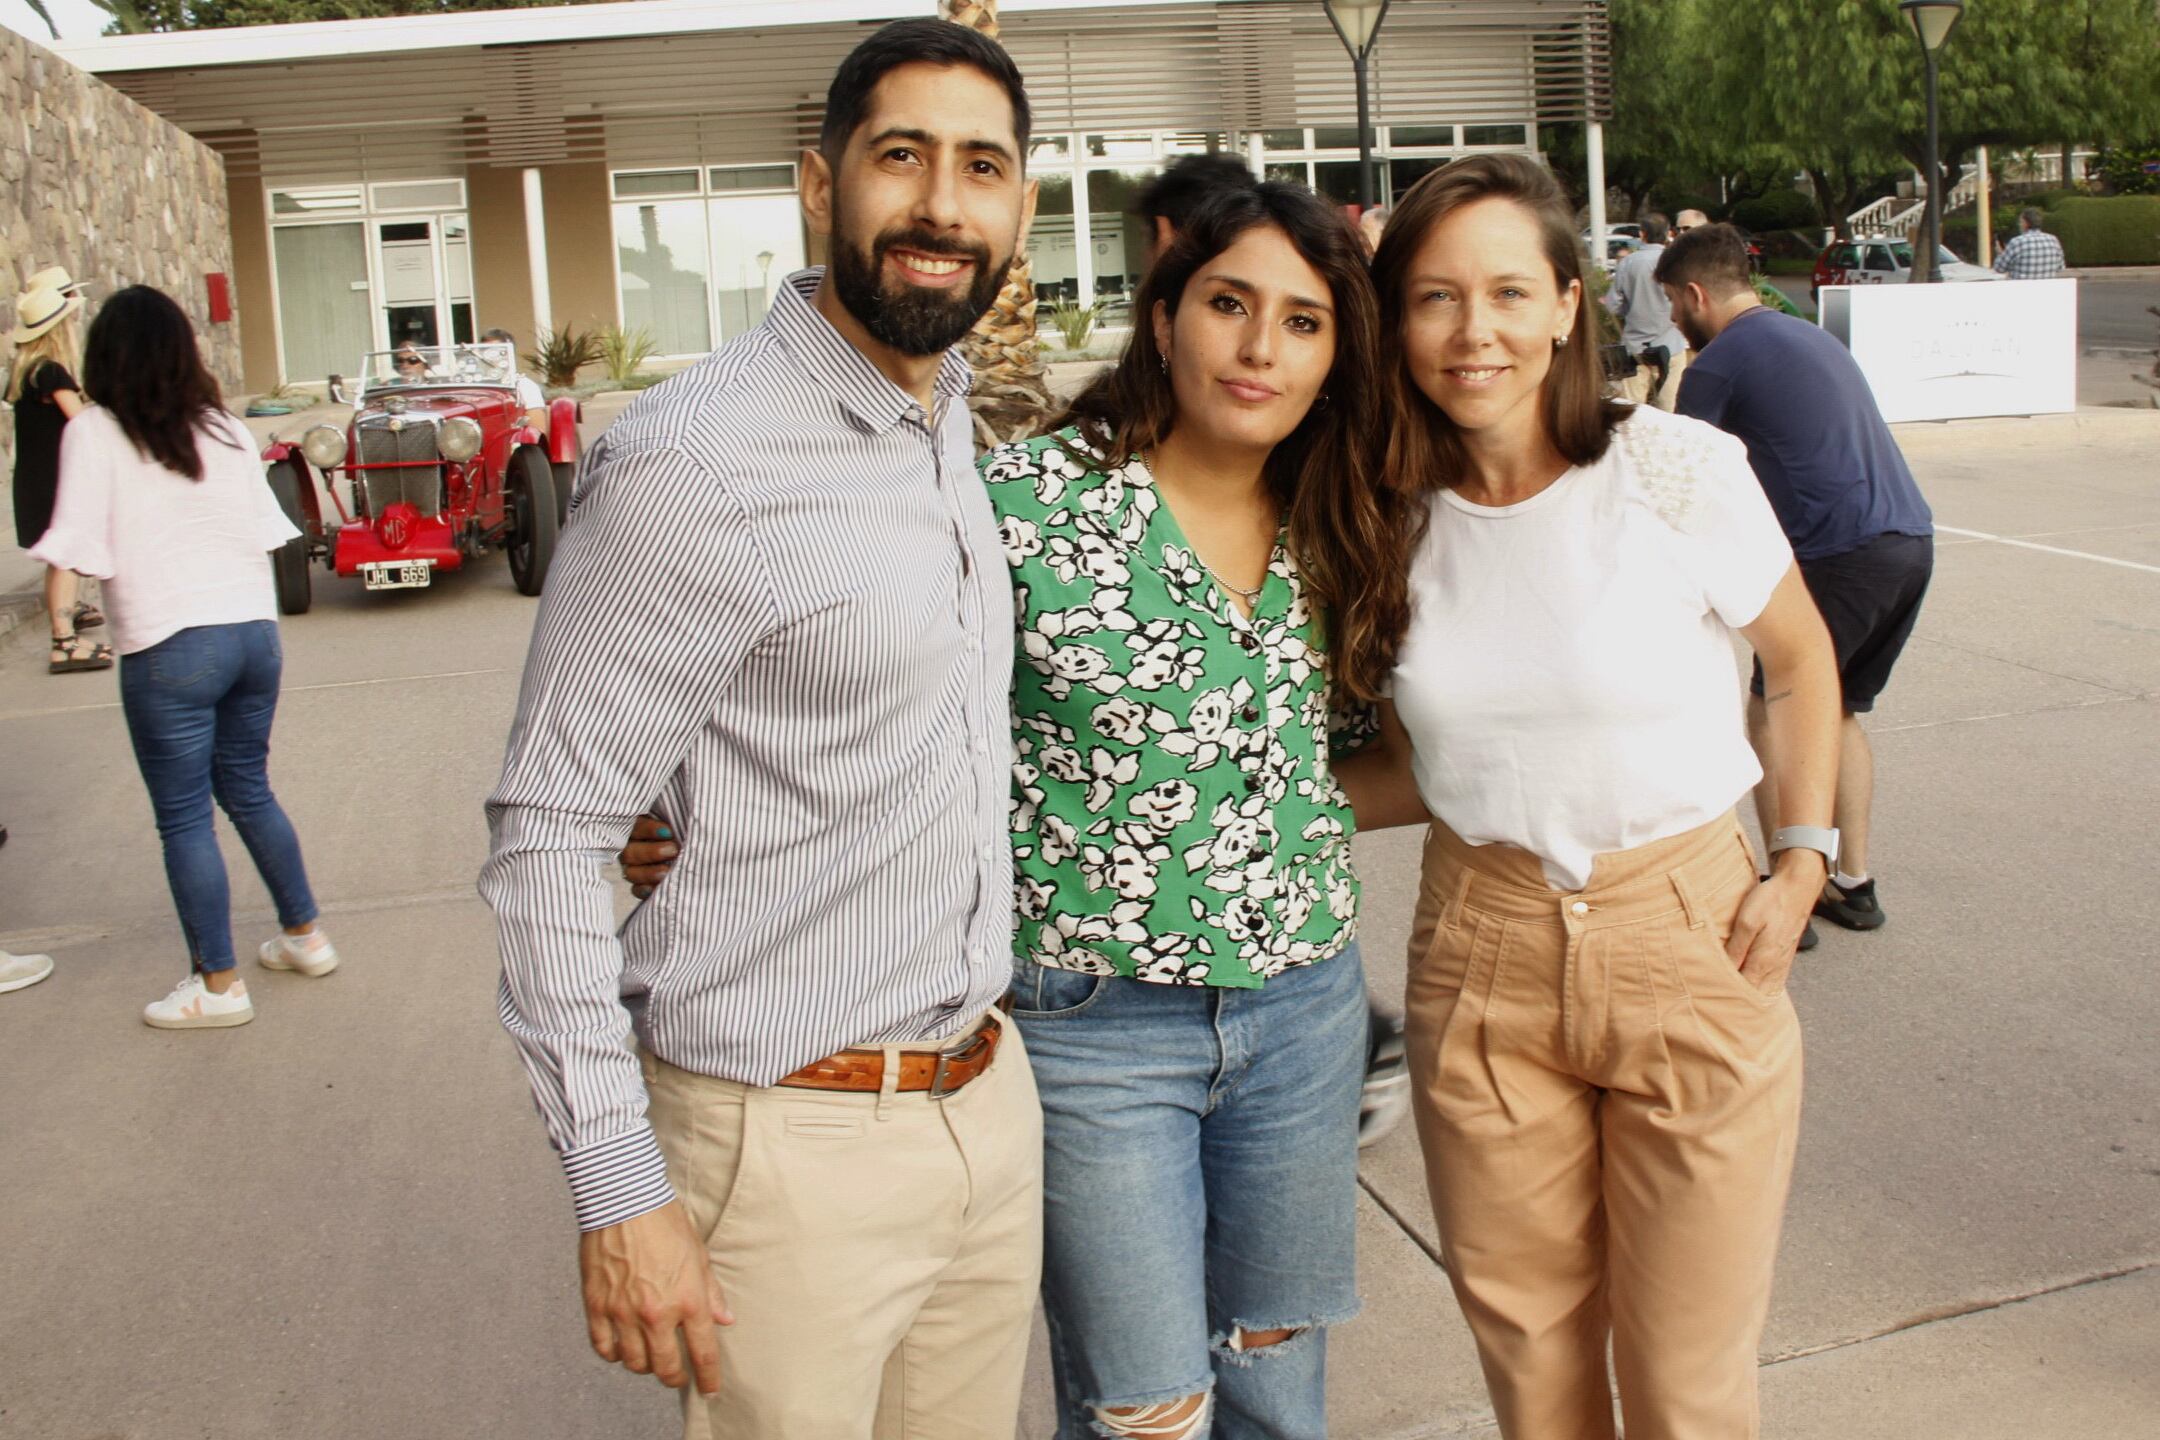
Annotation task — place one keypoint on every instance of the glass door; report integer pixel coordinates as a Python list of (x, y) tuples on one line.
[(757, 243), (324, 314), (457, 278), (411, 304)]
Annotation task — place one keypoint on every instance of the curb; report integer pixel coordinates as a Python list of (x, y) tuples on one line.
[(2087, 424)]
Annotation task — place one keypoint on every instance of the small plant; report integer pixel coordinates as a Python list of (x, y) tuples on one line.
[(562, 354), (1075, 322), (623, 352)]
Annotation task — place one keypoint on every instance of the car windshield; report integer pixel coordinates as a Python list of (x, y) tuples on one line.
[(408, 365), (1904, 253)]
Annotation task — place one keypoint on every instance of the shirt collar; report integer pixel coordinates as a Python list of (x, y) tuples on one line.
[(835, 364)]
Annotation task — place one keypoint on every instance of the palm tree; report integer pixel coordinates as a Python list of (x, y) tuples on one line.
[(37, 8), (1012, 387)]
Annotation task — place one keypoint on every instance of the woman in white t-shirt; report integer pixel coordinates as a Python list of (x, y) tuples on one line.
[(1606, 1065), (161, 496)]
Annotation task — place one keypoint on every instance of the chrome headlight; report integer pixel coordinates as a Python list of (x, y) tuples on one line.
[(324, 446), (458, 438)]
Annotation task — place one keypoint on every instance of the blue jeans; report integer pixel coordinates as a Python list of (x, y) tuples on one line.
[(1199, 1179), (198, 708)]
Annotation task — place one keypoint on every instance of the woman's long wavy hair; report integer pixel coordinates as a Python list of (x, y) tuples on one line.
[(1346, 527), (141, 363), (1424, 450)]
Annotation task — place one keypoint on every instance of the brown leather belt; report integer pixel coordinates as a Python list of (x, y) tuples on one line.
[(940, 1072)]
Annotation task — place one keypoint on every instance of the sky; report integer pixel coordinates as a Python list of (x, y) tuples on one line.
[(78, 19)]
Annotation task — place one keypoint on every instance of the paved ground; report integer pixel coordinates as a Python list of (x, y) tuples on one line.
[(341, 1222)]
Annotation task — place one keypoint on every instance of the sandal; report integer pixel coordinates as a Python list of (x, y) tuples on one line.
[(68, 654), (88, 616)]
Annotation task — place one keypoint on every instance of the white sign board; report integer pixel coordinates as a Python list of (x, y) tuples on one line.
[(1951, 352)]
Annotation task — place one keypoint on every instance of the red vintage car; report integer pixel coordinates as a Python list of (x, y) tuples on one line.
[(440, 465)]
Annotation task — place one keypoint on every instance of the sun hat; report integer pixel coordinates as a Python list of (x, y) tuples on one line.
[(55, 277), (40, 311)]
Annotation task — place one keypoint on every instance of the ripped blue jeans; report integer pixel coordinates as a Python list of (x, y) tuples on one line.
[(1199, 1179)]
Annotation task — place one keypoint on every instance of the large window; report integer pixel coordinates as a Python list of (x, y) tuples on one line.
[(701, 251)]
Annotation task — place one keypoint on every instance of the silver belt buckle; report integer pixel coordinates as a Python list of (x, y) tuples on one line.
[(959, 1050)]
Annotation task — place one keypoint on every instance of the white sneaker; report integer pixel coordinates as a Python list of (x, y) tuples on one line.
[(192, 1006), (18, 971), (310, 954)]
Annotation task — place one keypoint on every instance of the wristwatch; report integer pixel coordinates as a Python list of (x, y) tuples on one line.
[(1807, 837)]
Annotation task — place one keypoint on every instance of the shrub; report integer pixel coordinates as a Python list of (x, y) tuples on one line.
[(1075, 322), (564, 353), (622, 353), (2129, 170), (2121, 230), (1778, 210)]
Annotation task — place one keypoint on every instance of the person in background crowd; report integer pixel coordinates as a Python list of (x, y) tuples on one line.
[(1606, 1063), (18, 972), (528, 389), (1646, 328), (411, 366), (1371, 225), (162, 497), (1861, 530), (43, 392), (2032, 253), (1688, 220), (1170, 199), (785, 1099)]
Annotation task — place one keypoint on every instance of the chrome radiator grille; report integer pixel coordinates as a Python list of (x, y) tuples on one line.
[(419, 486)]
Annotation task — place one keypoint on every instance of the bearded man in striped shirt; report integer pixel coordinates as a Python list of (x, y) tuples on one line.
[(803, 1150)]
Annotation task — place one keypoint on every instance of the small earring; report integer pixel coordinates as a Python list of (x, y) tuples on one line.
[(1323, 399), (1559, 342), (1163, 360)]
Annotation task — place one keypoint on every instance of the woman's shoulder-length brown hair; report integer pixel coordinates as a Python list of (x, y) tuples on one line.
[(1424, 450), (1345, 526)]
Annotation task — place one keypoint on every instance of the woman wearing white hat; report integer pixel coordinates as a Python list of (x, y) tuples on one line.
[(42, 389)]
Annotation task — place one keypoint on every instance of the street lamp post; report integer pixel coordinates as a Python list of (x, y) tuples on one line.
[(1931, 22), (1357, 24)]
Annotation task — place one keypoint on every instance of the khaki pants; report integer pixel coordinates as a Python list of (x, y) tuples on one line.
[(1636, 387), (1608, 1110), (881, 1253)]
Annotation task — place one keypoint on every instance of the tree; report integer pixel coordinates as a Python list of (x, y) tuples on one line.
[(135, 16), (1012, 399)]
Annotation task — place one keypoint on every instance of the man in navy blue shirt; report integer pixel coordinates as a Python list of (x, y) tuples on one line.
[(1859, 528)]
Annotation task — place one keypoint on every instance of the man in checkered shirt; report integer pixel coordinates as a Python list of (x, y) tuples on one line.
[(2032, 253)]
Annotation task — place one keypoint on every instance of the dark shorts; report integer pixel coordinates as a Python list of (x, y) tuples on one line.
[(1869, 598)]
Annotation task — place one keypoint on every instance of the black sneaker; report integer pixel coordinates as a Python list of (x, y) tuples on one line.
[(1808, 938), (1855, 909)]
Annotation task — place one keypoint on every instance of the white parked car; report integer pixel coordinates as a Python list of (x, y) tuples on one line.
[(1884, 260)]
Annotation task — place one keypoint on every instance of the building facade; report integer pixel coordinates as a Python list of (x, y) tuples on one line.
[(425, 178)]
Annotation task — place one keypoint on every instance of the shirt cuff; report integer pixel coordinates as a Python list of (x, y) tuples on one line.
[(617, 1179)]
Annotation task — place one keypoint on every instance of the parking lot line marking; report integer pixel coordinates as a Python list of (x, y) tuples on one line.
[(2049, 549)]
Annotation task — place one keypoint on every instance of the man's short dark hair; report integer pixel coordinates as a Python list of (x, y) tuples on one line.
[(497, 337), (1191, 180), (1655, 228), (1714, 257), (914, 42)]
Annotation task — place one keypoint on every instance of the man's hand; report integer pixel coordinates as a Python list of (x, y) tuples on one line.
[(649, 856), (1766, 934), (650, 1296)]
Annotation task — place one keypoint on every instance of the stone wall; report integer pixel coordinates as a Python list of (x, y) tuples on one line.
[(91, 180)]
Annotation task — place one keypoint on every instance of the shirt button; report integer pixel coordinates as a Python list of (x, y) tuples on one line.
[(1249, 640), (1579, 908), (1250, 713), (1252, 781)]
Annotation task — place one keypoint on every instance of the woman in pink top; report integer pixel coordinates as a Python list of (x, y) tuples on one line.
[(161, 497)]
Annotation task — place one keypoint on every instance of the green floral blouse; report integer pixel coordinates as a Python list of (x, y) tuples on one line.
[(1174, 816)]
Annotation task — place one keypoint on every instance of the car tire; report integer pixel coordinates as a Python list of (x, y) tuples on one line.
[(535, 521), (289, 562)]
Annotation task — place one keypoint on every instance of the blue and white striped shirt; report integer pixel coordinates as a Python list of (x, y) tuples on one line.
[(780, 619)]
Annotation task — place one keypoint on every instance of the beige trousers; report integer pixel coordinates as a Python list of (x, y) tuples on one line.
[(881, 1253), (1608, 1110), (1636, 387)]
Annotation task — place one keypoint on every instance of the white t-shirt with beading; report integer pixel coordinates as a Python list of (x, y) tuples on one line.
[(174, 553), (1568, 680)]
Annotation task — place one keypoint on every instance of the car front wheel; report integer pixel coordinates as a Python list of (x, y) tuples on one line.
[(289, 562), (534, 522)]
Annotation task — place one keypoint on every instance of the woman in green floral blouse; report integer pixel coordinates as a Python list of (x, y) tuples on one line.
[(1202, 558)]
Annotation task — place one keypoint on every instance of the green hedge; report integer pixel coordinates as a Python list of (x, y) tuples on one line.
[(1778, 210), (2120, 230)]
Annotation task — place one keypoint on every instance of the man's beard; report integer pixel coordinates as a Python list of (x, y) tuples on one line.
[(913, 319)]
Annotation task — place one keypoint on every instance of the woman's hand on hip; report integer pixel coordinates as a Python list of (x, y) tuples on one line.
[(1766, 933), (649, 856)]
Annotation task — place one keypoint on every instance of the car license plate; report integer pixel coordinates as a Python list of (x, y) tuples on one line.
[(397, 575)]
